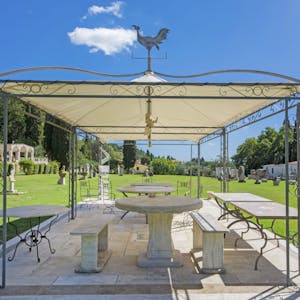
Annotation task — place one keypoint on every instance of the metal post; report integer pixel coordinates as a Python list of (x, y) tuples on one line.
[(73, 192), (198, 172), (100, 184), (227, 160), (4, 225), (149, 60), (287, 192), (100, 161), (191, 171), (224, 190), (221, 160), (298, 182)]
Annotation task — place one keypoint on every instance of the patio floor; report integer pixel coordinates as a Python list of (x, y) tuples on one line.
[(121, 278)]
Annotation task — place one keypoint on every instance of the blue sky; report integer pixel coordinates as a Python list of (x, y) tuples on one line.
[(204, 36)]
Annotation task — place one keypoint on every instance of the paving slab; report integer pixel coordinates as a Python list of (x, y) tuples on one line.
[(121, 278)]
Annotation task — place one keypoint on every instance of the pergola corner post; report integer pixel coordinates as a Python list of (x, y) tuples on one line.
[(73, 186), (224, 160), (4, 205), (191, 171), (198, 170), (298, 182), (287, 228)]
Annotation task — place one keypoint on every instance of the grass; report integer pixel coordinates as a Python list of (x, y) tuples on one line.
[(43, 189)]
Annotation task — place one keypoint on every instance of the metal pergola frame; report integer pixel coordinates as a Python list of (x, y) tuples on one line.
[(283, 105)]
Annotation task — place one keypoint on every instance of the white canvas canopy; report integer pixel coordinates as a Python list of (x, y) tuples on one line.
[(178, 110), (150, 108)]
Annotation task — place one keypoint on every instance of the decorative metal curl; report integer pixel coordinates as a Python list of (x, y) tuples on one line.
[(114, 90), (293, 90), (33, 88), (248, 91), (174, 90), (148, 90), (139, 90), (71, 89), (257, 90), (120, 89)]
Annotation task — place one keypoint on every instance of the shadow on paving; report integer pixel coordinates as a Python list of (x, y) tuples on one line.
[(121, 275), (239, 265)]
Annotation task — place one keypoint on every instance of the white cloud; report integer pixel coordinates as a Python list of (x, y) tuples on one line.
[(108, 40), (114, 8)]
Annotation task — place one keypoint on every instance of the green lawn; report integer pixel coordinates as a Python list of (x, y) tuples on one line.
[(43, 189)]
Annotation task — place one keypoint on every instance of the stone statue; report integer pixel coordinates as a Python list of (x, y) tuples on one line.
[(62, 175), (12, 179), (241, 174), (12, 173)]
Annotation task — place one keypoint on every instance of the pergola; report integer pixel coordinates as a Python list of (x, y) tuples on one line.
[(150, 108)]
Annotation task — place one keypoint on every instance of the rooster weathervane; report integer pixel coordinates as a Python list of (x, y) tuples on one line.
[(148, 41)]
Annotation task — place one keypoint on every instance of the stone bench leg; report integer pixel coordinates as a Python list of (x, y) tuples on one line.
[(89, 254), (197, 236), (94, 253), (213, 252), (212, 246), (103, 239)]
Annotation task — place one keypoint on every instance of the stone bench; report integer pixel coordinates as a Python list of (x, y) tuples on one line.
[(94, 243), (208, 236)]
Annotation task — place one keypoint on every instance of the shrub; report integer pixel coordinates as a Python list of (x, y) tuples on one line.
[(36, 169), (50, 169), (27, 165), (44, 168), (41, 168), (47, 169), (55, 166)]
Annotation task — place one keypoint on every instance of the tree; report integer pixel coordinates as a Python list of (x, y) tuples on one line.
[(16, 120), (34, 132), (129, 154), (246, 155), (57, 142), (86, 148), (268, 148), (265, 150), (293, 143), (163, 166)]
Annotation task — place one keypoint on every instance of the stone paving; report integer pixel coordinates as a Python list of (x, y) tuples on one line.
[(121, 278)]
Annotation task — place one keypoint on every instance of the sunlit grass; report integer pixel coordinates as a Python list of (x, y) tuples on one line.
[(43, 189)]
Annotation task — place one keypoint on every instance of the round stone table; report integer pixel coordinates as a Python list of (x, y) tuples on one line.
[(160, 210), (150, 190)]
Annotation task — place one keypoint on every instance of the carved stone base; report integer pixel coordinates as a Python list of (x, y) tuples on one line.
[(103, 258), (213, 271), (174, 262)]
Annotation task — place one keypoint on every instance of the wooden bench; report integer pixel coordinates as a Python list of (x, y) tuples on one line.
[(94, 243), (208, 236)]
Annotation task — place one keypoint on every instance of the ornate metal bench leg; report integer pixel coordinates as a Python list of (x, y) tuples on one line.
[(52, 250), (22, 240), (124, 214), (10, 258)]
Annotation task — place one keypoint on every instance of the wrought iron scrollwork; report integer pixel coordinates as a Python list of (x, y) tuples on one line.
[(258, 90), (39, 88)]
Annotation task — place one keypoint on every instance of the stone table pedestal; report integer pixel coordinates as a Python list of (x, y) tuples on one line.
[(159, 210)]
